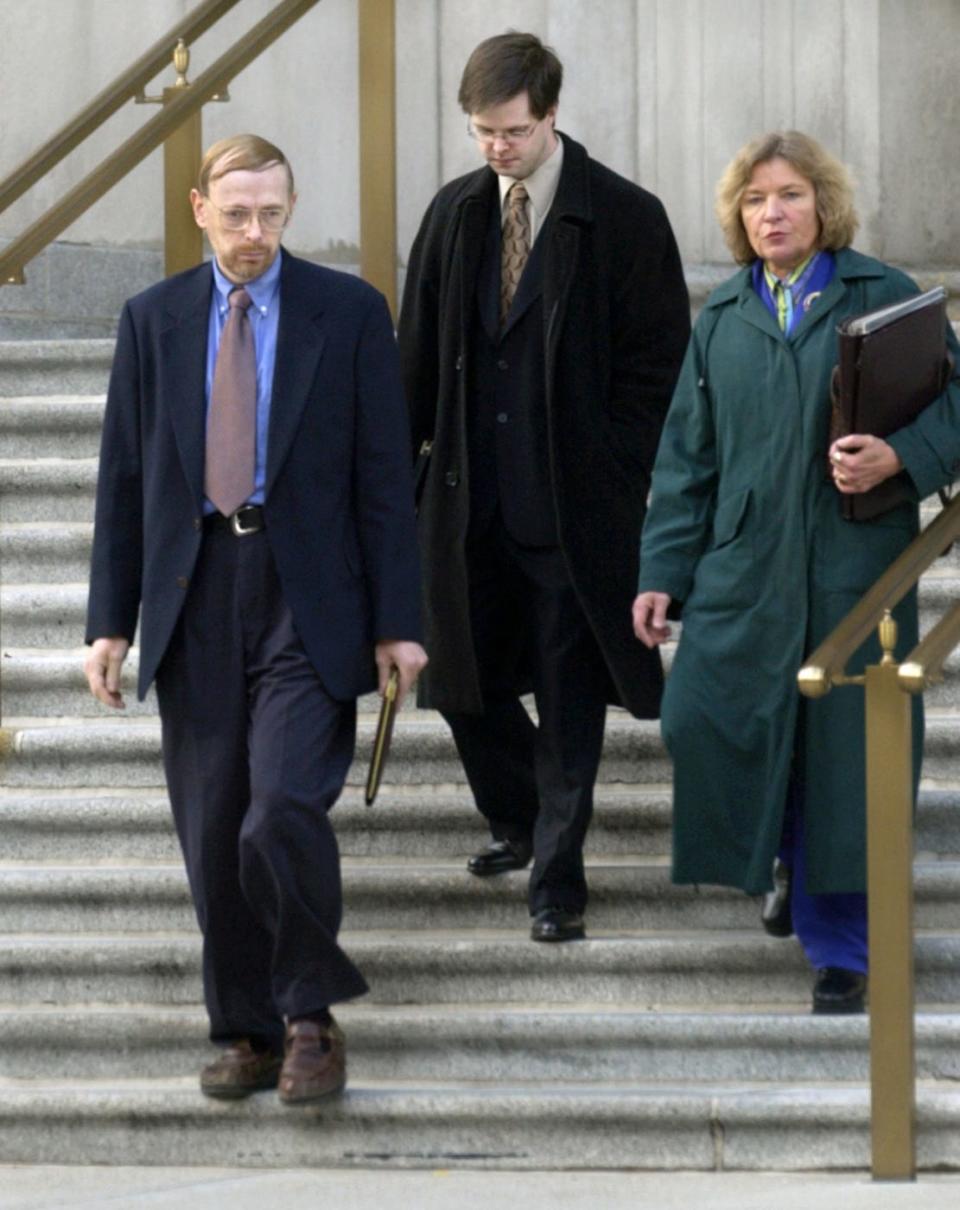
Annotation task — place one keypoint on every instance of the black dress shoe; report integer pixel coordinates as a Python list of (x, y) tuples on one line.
[(839, 991), (775, 914), (557, 924), (500, 856)]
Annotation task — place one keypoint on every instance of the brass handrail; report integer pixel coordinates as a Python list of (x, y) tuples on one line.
[(150, 135), (924, 665), (824, 668), (889, 825), (129, 84)]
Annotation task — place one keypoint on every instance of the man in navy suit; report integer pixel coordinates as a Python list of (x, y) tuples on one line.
[(260, 627)]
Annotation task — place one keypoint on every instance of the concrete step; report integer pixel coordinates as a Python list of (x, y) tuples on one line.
[(118, 753), (49, 554), (413, 895), (49, 489), (50, 614), (62, 486), (53, 557), (64, 827), (40, 683), (115, 752), (55, 367), (613, 966), (51, 426), (439, 1125), (72, 827), (485, 1043), (49, 617)]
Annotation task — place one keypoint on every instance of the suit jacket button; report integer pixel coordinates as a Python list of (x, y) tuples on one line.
[(503, 365), (197, 523), (182, 581), (458, 364), (451, 478)]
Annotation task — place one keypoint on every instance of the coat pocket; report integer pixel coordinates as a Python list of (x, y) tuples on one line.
[(729, 517), (726, 576)]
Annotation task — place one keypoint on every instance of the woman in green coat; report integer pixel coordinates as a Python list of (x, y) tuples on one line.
[(745, 533)]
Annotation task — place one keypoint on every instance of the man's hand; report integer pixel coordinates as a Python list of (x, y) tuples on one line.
[(408, 659), (650, 618), (102, 667), (859, 462)]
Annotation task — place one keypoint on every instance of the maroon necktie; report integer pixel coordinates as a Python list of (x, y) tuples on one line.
[(232, 422), (515, 247)]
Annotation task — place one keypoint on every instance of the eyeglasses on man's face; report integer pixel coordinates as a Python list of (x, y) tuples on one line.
[(516, 134), (238, 218)]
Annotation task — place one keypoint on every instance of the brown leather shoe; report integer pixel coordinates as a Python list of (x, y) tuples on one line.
[(315, 1064), (239, 1071)]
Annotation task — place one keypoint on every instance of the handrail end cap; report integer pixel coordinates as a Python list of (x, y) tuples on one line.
[(812, 681), (912, 677)]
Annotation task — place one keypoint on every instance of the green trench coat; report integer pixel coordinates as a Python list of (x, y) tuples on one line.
[(744, 528)]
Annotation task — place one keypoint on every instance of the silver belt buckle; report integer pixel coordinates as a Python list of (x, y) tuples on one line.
[(236, 521)]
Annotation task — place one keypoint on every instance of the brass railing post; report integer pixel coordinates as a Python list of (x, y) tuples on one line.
[(378, 152), (889, 758), (182, 238)]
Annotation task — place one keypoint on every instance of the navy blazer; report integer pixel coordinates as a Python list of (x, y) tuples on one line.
[(338, 507)]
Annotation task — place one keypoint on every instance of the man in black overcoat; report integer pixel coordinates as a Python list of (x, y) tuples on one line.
[(543, 324)]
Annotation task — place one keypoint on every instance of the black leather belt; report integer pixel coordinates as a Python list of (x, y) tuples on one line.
[(245, 521)]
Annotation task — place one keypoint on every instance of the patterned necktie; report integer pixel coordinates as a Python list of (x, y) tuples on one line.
[(515, 247), (231, 424)]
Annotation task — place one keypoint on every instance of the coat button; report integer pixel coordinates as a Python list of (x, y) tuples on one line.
[(503, 365), (197, 523), (458, 364), (182, 581), (451, 478), (501, 417)]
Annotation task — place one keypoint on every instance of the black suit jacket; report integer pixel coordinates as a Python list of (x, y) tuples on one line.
[(338, 506), (507, 439)]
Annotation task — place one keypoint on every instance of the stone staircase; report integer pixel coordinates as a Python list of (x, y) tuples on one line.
[(677, 1036)]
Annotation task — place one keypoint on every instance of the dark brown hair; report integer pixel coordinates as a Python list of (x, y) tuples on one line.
[(503, 66), (239, 152)]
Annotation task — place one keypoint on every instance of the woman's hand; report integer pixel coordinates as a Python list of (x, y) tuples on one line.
[(650, 618), (859, 462)]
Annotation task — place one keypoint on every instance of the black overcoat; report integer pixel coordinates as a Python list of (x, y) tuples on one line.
[(616, 318)]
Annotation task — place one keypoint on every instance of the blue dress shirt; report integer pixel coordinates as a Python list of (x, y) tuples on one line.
[(264, 316)]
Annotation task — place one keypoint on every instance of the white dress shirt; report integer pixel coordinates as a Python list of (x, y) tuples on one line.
[(541, 186)]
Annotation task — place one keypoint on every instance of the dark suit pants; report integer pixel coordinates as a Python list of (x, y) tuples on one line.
[(534, 781), (256, 753)]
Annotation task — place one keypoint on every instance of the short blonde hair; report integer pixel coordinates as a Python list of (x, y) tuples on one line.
[(831, 182), (240, 152)]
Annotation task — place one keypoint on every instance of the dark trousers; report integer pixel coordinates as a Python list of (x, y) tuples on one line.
[(533, 782), (256, 753)]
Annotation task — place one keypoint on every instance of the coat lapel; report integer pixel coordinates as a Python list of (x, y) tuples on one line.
[(475, 226), (570, 213), (300, 341), (488, 278), (183, 352), (752, 310)]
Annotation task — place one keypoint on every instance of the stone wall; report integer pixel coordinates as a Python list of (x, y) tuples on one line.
[(662, 90)]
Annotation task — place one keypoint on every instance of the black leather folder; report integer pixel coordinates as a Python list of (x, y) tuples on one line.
[(891, 364)]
